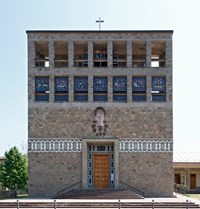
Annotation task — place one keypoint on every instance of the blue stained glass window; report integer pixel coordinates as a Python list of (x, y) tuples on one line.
[(61, 97), (120, 98), (83, 98), (81, 84), (139, 84), (100, 98), (61, 84), (43, 97), (119, 84), (100, 84), (158, 98), (158, 83), (41, 84), (159, 89), (136, 97)]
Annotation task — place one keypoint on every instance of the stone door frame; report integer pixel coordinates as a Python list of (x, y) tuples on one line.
[(85, 143)]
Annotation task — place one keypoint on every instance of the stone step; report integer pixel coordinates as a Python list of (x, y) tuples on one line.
[(99, 194), (171, 205)]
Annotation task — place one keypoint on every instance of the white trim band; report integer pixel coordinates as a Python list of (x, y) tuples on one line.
[(138, 145), (75, 145), (52, 145)]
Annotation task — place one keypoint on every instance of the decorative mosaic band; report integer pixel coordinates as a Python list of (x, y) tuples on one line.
[(53, 145), (75, 145), (138, 145)]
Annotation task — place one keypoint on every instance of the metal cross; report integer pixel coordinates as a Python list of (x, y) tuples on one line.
[(99, 21)]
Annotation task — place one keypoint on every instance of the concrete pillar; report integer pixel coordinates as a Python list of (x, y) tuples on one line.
[(110, 90), (129, 88), (31, 54), (51, 53), (71, 88), (149, 88), (169, 85), (71, 53), (31, 87), (90, 88), (148, 53), (90, 54), (129, 53), (116, 150), (84, 165), (51, 88), (188, 178), (168, 54), (110, 53)]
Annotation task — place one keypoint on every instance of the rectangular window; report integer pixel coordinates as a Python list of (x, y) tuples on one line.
[(158, 89), (61, 54), (139, 54), (61, 89), (81, 89), (119, 54), (101, 148), (41, 54), (41, 88), (100, 54), (100, 89), (81, 54), (139, 89), (120, 89), (158, 58)]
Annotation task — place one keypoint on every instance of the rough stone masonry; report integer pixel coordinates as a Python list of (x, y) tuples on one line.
[(136, 100)]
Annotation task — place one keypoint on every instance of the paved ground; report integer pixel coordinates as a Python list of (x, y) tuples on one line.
[(184, 198), (176, 198)]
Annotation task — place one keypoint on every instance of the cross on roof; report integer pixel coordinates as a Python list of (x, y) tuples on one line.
[(99, 21)]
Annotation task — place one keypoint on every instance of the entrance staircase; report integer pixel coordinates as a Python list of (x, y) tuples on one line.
[(99, 194)]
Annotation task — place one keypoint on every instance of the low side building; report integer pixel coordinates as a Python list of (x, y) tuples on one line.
[(187, 170)]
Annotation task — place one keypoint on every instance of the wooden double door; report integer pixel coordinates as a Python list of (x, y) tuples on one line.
[(101, 171)]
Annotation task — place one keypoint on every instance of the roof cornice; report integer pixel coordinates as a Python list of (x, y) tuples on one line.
[(99, 31)]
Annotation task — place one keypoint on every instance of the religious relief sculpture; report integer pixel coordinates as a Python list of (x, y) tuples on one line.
[(99, 125)]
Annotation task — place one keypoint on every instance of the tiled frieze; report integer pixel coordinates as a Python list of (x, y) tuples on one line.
[(54, 145), (75, 145), (141, 145)]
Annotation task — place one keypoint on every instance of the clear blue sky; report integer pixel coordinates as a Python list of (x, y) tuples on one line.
[(17, 16)]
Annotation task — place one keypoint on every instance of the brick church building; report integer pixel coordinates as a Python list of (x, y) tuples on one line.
[(100, 111)]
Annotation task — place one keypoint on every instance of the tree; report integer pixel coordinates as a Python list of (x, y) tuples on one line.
[(14, 170)]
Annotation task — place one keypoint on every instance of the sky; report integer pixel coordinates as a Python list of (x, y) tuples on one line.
[(17, 16)]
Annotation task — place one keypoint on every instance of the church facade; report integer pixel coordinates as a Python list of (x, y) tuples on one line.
[(100, 111)]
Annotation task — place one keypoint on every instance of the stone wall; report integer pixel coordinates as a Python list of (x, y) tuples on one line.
[(123, 121), (151, 173), (52, 172)]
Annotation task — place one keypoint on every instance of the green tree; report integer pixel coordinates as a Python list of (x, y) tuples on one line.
[(14, 170)]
